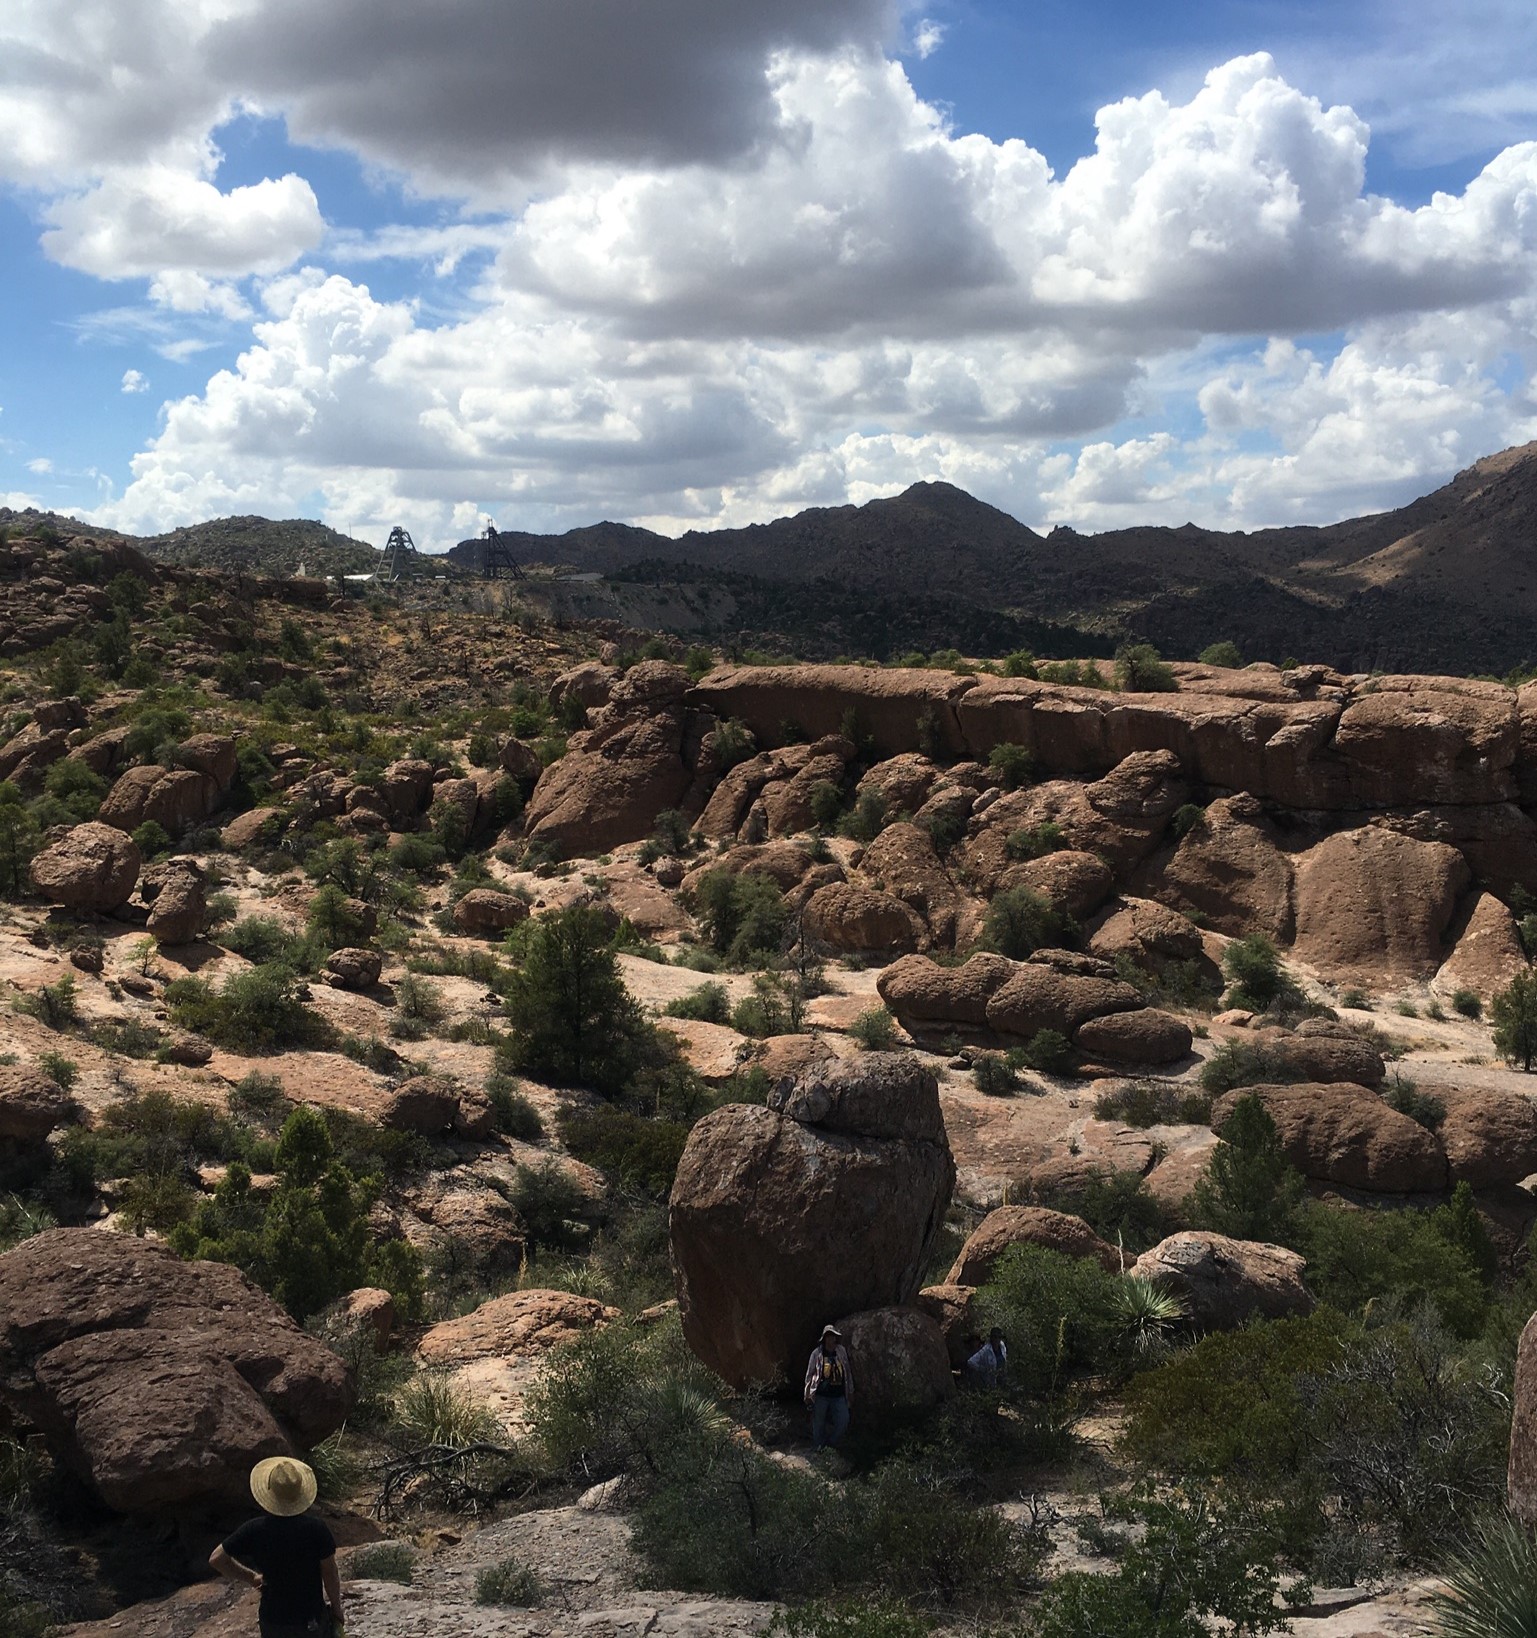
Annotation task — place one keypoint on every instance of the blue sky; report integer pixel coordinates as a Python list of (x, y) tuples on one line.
[(693, 264)]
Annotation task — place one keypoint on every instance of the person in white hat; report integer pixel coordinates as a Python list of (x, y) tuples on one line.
[(286, 1553), (829, 1388)]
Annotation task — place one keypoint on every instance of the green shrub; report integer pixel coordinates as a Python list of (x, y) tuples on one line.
[(875, 1030), (1048, 1052), (73, 784), (433, 1409), (569, 1015), (1011, 765), (709, 1003), (548, 1201), (1253, 968), (1424, 1107), (1036, 841), (1139, 670), (152, 839), (20, 838), (1059, 1314), (513, 1113), (1019, 922), (1514, 1013), (879, 1616), (742, 914), (336, 918), (258, 1098), (382, 1561), (867, 818), (1154, 1103), (1021, 663), (1244, 1063), (254, 1012), (260, 939), (636, 1151), (1118, 1206), (1467, 1003), (512, 1583), (995, 1076), (1222, 654), (62, 1071), (310, 1241), (1186, 817), (57, 1005)]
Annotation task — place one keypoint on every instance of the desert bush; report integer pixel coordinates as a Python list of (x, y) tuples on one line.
[(1154, 1103), (513, 1113), (256, 1011), (548, 1201), (510, 1583), (1514, 1014), (1036, 841), (1467, 1003), (1186, 817), (1059, 1313), (1223, 654), (742, 914), (1250, 1190), (995, 1076), (1139, 670), (875, 1030), (57, 1005), (1019, 922), (1011, 765), (258, 1099), (309, 1241), (1048, 1052), (260, 939), (1119, 1207), (382, 1561), (1243, 1063), (709, 1003), (867, 818), (1489, 1584), (1253, 968), (20, 838), (1423, 1107), (570, 1017), (878, 1616), (635, 1151), (62, 1071)]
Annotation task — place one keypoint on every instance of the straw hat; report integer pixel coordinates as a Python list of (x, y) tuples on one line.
[(284, 1486)]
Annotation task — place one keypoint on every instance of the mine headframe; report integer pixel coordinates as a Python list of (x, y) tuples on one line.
[(498, 561), (402, 561)]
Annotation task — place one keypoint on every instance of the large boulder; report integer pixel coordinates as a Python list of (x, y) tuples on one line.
[(1074, 882), (158, 1382), (1147, 933), (32, 1104), (900, 1362), (486, 913), (1343, 1134), (174, 798), (177, 895), (952, 1308), (1225, 1282), (1374, 904), (1229, 868), (927, 997), (425, 1104), (94, 868), (1147, 1036), (1487, 955), (610, 788), (902, 861), (351, 968), (783, 1218), (1489, 1135), (845, 917), (1319, 1051), (1044, 993), (1032, 1226), (523, 1322)]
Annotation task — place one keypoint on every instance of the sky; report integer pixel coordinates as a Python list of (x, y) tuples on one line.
[(700, 263)]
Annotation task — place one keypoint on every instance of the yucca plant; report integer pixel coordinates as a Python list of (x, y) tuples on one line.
[(432, 1409), (1491, 1586), (1147, 1314)]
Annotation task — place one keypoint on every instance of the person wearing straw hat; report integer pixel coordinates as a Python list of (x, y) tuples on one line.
[(829, 1388), (290, 1556)]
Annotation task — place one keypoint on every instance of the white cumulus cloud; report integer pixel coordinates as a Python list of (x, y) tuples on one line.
[(133, 381)]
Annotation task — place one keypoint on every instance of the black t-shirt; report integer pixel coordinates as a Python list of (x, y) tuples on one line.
[(287, 1553)]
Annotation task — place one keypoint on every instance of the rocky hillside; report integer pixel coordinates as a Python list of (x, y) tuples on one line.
[(1446, 583), (480, 1054)]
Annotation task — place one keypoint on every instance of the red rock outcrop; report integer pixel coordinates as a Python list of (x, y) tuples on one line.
[(783, 1218), (1345, 1135), (486, 913), (32, 1104), (845, 917), (1146, 1036), (1374, 902), (524, 1322), (900, 1362), (158, 1382), (1487, 954)]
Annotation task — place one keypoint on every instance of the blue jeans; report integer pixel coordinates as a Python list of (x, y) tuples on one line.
[(829, 1419)]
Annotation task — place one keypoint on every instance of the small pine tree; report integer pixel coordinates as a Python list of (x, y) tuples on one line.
[(1514, 1011), (1250, 1190)]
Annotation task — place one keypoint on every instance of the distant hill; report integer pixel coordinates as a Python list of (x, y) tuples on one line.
[(1447, 583), (253, 545)]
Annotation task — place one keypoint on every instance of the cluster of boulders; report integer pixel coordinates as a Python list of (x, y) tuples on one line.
[(1080, 997), (158, 1382)]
